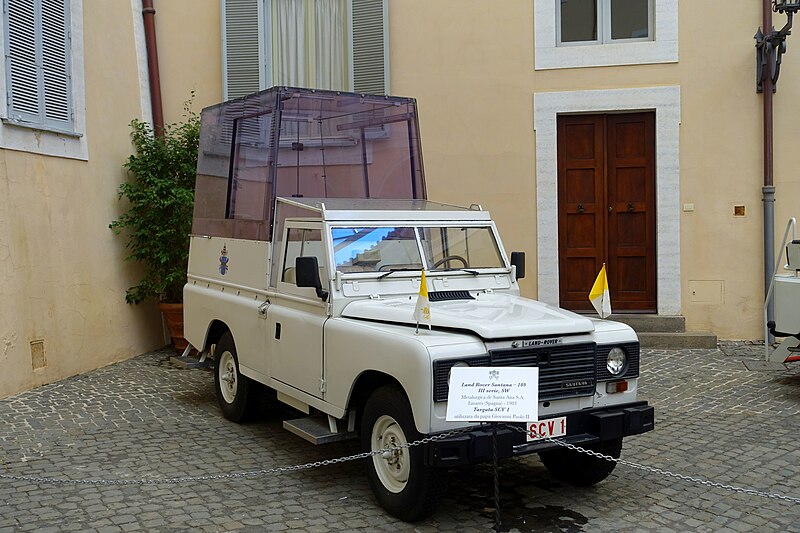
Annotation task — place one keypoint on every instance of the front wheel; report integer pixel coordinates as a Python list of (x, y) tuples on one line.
[(403, 485), (581, 469), (236, 394)]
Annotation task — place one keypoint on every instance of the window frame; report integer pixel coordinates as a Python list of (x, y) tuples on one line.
[(263, 22), (418, 228), (287, 287), (43, 138), (604, 26), (662, 49)]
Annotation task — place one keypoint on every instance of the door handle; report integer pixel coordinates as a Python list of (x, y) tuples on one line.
[(630, 208), (610, 208), (580, 208), (262, 309)]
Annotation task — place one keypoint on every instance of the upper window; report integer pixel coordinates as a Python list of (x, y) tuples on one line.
[(37, 44), (319, 44), (604, 21), (42, 97), (625, 32)]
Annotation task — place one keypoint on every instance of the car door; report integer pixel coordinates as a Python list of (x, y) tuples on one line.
[(297, 315)]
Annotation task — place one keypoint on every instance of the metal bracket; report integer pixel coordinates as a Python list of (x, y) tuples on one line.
[(770, 48)]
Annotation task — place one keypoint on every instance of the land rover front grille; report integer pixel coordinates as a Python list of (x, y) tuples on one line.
[(565, 371)]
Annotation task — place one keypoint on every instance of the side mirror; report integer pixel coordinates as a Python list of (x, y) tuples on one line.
[(518, 260), (307, 275)]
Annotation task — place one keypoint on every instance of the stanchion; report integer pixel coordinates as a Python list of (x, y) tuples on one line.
[(496, 473)]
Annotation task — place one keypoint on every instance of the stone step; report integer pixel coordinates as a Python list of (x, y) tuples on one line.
[(677, 340), (652, 323)]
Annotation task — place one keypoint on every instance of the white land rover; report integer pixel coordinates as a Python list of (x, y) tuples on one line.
[(311, 232)]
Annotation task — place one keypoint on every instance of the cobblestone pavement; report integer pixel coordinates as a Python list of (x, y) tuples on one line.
[(144, 419)]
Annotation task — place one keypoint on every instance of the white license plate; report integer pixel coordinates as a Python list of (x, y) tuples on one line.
[(552, 427)]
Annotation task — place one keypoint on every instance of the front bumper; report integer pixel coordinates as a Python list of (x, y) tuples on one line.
[(583, 427)]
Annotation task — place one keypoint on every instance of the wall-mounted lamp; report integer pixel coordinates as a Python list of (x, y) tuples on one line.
[(770, 47)]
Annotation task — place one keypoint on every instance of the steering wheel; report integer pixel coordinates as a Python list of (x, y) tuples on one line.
[(448, 258)]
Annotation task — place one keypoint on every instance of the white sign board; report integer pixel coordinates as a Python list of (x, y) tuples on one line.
[(493, 394)]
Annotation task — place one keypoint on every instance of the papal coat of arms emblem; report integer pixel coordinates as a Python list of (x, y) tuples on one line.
[(223, 260)]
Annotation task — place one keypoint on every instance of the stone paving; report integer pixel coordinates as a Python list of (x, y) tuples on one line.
[(145, 419)]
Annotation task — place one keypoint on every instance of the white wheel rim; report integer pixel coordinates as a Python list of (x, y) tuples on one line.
[(392, 466), (228, 377)]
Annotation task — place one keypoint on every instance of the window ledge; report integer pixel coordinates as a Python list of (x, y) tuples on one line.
[(36, 139), (40, 127), (604, 55)]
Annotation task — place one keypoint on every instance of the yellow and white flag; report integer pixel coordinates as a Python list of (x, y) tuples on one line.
[(599, 296), (422, 313)]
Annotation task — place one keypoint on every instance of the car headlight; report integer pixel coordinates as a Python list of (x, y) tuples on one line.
[(617, 361), (450, 372)]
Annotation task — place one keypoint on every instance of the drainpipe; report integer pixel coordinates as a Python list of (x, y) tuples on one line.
[(768, 190), (149, 16)]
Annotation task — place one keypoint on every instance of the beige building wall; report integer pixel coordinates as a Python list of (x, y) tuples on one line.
[(63, 283), (470, 63), (189, 54)]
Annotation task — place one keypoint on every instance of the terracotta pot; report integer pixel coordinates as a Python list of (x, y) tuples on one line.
[(173, 316)]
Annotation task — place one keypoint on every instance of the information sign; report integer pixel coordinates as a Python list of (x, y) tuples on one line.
[(493, 394)]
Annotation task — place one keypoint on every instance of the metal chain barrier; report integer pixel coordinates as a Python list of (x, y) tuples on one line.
[(364, 455), (234, 475), (661, 471)]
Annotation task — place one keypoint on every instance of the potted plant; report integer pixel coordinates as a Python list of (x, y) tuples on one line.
[(160, 194)]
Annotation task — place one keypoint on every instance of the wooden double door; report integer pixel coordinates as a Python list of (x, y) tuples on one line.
[(606, 209)]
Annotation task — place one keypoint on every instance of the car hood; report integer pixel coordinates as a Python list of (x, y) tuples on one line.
[(490, 315)]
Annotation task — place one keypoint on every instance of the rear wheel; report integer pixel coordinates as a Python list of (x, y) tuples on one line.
[(236, 394), (580, 469), (403, 485)]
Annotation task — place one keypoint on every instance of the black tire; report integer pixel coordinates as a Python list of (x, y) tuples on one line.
[(237, 394), (580, 469), (403, 485)]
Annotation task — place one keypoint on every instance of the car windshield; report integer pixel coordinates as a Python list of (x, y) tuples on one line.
[(395, 248), (448, 248), (375, 249)]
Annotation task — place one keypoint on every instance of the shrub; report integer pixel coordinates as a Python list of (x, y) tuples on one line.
[(160, 192)]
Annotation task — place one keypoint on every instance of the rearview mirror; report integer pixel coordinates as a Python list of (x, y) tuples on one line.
[(307, 275), (518, 261)]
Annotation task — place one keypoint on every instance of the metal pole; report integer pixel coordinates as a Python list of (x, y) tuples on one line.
[(496, 473), (768, 190)]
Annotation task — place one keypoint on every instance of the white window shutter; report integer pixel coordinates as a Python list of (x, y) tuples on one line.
[(22, 72), (370, 50), (38, 54), (55, 64), (240, 27)]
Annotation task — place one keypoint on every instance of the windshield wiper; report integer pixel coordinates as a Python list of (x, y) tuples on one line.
[(393, 270), (468, 270)]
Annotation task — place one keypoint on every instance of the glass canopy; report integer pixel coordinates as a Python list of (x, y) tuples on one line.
[(298, 143)]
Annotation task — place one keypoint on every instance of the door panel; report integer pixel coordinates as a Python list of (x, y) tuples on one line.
[(581, 207), (631, 219), (297, 316), (606, 195)]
